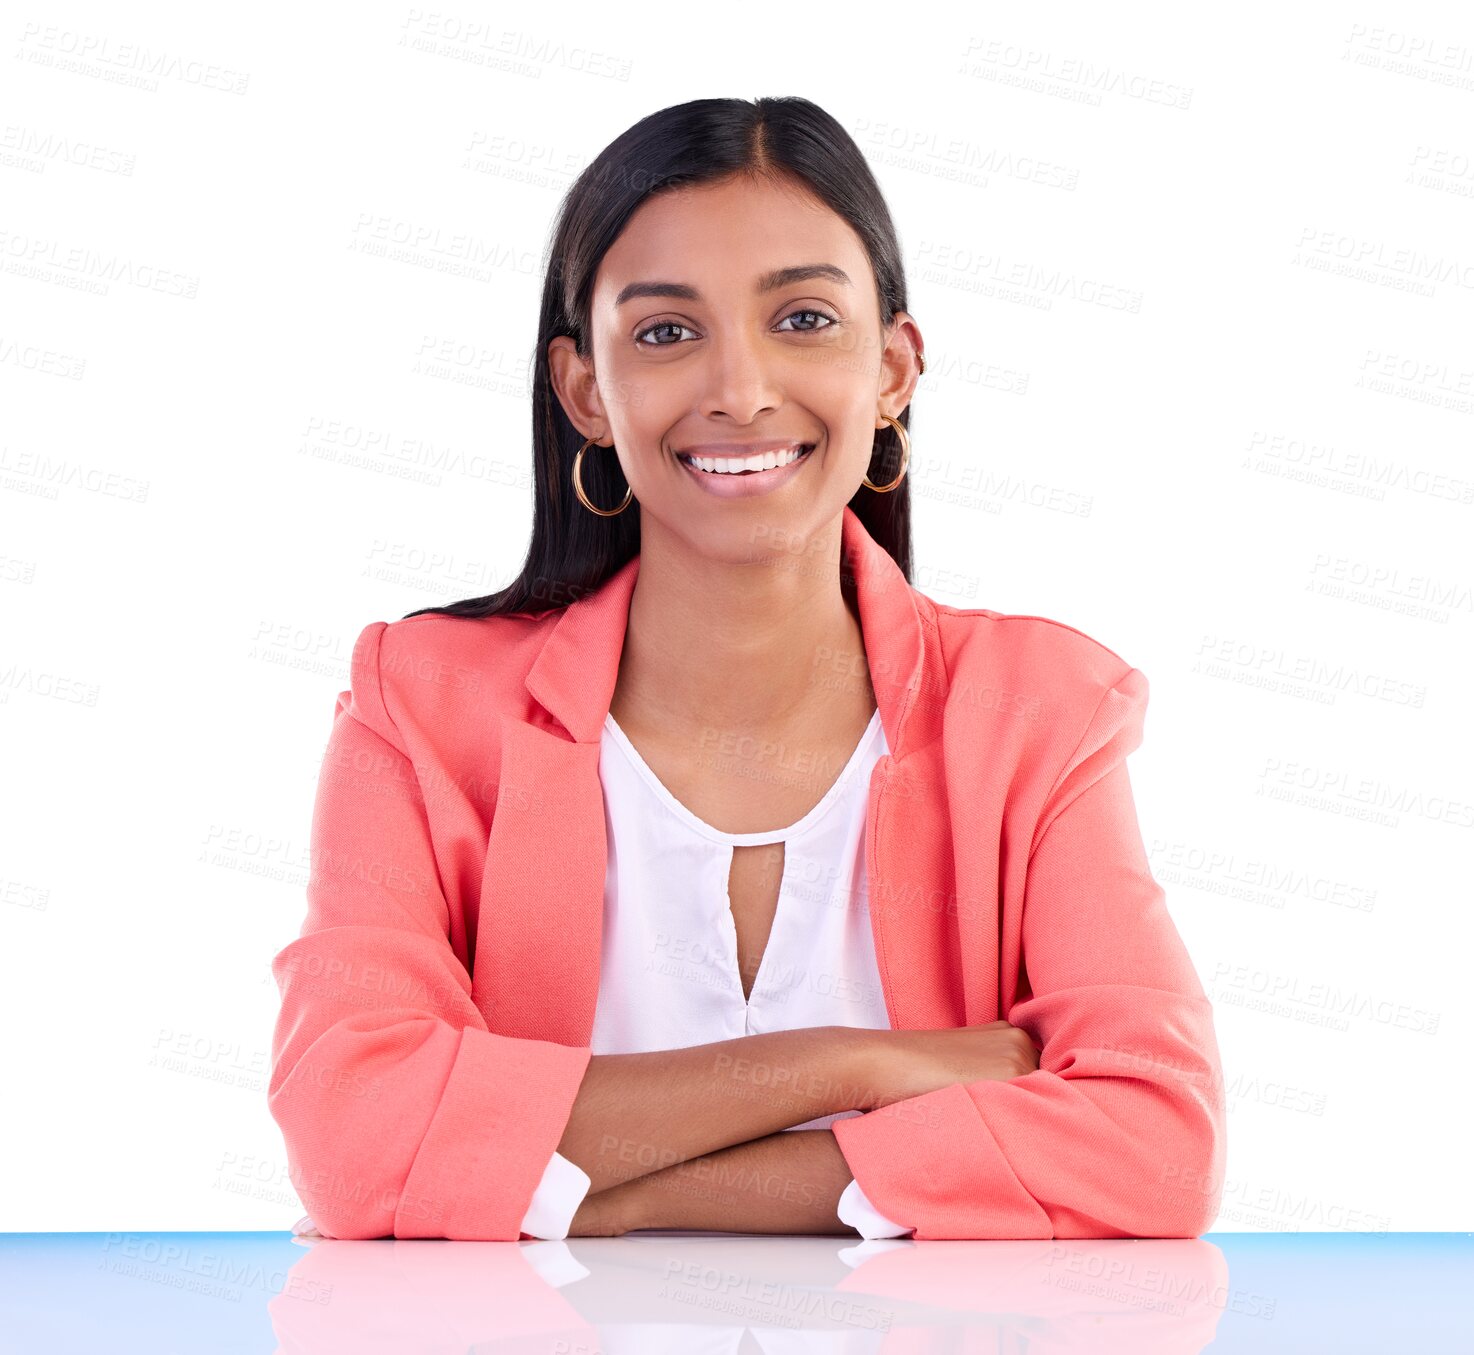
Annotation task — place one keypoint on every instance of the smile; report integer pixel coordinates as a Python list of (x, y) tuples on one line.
[(740, 477), (745, 465), (746, 476)]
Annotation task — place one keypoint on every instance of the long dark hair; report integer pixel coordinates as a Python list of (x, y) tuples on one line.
[(572, 550)]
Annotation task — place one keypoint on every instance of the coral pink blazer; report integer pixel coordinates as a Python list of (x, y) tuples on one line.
[(437, 1005)]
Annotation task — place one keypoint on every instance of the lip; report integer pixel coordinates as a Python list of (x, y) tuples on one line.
[(753, 448), (746, 486)]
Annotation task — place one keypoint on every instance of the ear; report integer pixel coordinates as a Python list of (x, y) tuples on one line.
[(573, 382), (900, 368)]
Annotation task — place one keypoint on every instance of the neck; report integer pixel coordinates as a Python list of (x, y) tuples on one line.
[(761, 647)]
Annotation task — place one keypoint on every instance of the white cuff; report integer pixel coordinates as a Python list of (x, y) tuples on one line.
[(857, 1211), (563, 1187)]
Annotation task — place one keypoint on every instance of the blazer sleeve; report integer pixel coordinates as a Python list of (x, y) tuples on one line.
[(1121, 1130), (861, 1215), (402, 1113)]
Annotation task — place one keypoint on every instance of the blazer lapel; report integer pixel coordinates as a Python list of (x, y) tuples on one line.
[(908, 838), (541, 922), (542, 891), (541, 929)]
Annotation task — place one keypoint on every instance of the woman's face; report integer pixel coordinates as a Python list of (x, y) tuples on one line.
[(738, 318)]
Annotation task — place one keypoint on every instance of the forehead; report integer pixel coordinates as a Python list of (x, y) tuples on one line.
[(721, 238)]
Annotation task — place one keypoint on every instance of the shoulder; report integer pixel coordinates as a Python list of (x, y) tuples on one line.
[(1054, 706), (422, 673), (1037, 655)]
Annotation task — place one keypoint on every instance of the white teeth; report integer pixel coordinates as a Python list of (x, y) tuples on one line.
[(735, 465)]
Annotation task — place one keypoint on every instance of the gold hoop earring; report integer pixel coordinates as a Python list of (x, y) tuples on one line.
[(905, 457), (584, 498)]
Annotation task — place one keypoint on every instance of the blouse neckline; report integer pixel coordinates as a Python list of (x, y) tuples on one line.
[(831, 797)]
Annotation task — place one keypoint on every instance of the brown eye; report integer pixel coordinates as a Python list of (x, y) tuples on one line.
[(664, 324), (823, 315)]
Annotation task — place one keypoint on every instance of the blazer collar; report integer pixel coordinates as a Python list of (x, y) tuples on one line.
[(574, 676)]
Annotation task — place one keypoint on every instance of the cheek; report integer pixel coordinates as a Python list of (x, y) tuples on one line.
[(857, 437), (623, 399), (646, 407)]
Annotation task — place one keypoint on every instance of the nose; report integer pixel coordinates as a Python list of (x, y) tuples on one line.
[(741, 379)]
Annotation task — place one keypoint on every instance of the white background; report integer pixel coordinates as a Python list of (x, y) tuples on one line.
[(1200, 383)]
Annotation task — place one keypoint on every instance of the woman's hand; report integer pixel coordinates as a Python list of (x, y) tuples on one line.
[(896, 1064)]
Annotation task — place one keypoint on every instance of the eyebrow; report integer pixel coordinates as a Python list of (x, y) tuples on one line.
[(768, 282)]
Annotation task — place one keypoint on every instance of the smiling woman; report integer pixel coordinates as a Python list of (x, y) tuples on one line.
[(711, 875)]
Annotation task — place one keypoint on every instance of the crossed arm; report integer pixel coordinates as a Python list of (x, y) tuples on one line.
[(718, 1155), (781, 1183)]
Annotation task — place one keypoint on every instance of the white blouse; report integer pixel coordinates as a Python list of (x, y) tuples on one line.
[(669, 973)]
